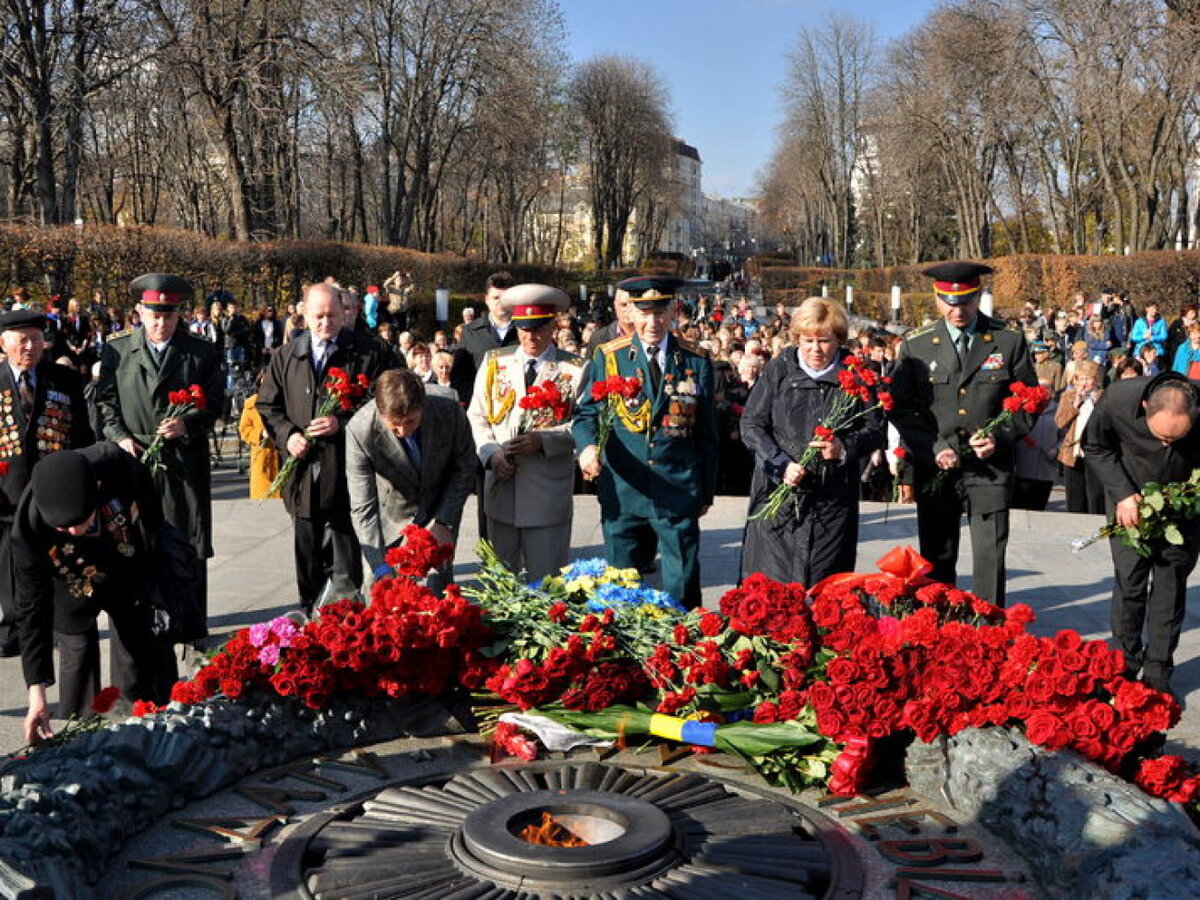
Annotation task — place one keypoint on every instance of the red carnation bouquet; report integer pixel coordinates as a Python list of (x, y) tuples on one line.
[(340, 392), (418, 553), (1022, 398), (859, 395), (179, 402), (543, 406), (613, 391)]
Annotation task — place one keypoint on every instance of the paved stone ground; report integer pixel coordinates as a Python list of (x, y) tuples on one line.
[(251, 577)]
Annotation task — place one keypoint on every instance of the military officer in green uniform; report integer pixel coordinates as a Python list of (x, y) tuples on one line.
[(950, 379), (657, 473), (138, 369)]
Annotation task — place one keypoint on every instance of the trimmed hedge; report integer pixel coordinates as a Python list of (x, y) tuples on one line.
[(1170, 278), (77, 261)]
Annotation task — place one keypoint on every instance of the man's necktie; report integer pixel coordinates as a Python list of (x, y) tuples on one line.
[(962, 345), (530, 373), (320, 356), (655, 368), (25, 388), (413, 449)]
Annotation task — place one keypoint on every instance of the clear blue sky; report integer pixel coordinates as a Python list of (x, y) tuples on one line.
[(724, 62)]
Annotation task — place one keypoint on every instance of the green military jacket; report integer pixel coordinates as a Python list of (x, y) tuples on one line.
[(940, 403)]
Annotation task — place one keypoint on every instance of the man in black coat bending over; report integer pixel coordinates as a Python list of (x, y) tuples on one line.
[(1144, 430)]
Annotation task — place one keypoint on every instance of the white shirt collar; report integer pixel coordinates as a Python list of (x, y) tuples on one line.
[(16, 373), (159, 346)]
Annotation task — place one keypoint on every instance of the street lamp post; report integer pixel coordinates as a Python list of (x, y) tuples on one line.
[(895, 303), (849, 297)]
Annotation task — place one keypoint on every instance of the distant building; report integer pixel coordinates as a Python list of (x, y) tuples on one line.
[(571, 230)]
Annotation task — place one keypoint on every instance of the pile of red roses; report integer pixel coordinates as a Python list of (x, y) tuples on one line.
[(906, 658), (864, 657), (407, 641), (584, 673)]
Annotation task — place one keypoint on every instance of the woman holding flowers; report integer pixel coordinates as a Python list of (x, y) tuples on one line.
[(810, 421)]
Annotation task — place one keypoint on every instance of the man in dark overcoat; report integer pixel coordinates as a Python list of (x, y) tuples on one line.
[(42, 410), (950, 379), (139, 369), (1142, 431), (659, 469), (316, 497)]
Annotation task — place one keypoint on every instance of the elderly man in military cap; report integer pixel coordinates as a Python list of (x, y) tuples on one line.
[(42, 409), (658, 472), (950, 379), (139, 368), (528, 455)]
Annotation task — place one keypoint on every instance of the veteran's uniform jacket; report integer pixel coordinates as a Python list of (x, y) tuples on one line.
[(59, 421), (540, 493), (661, 459), (940, 403)]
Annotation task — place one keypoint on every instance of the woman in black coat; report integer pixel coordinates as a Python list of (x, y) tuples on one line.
[(816, 537)]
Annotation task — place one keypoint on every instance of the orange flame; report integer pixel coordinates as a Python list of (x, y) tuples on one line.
[(550, 834)]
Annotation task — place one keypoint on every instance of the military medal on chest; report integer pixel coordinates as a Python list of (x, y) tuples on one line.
[(682, 403)]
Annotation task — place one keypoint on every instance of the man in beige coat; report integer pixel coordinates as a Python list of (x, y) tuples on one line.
[(528, 454)]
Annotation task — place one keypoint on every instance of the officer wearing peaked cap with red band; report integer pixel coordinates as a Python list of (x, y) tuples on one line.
[(950, 379)]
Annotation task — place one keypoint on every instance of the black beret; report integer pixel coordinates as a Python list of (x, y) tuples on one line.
[(22, 318), (161, 292), (64, 488)]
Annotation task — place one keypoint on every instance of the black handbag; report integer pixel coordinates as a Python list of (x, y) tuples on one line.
[(175, 588)]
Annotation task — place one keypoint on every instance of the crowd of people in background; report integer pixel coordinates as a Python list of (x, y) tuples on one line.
[(1077, 350)]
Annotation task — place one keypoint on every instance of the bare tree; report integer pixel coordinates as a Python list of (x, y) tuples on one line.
[(621, 107)]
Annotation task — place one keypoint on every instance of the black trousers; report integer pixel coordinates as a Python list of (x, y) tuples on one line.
[(141, 666), (939, 530), (1085, 493), (325, 546), (1150, 595)]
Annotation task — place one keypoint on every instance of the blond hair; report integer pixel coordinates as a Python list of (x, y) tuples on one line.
[(820, 315)]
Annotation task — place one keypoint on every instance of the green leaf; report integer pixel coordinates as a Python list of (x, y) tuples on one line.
[(1173, 535), (1155, 501)]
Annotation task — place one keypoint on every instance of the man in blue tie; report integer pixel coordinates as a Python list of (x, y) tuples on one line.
[(410, 459)]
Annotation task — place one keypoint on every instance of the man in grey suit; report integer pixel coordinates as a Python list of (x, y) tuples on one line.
[(409, 459)]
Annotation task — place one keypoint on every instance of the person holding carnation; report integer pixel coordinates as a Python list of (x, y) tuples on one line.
[(816, 534), (952, 378)]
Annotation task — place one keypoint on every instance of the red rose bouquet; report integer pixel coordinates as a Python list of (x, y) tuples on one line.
[(179, 402), (614, 391), (859, 394), (340, 392), (1022, 398), (543, 406)]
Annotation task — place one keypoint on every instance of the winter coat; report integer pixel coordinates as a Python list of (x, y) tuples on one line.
[(817, 538)]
